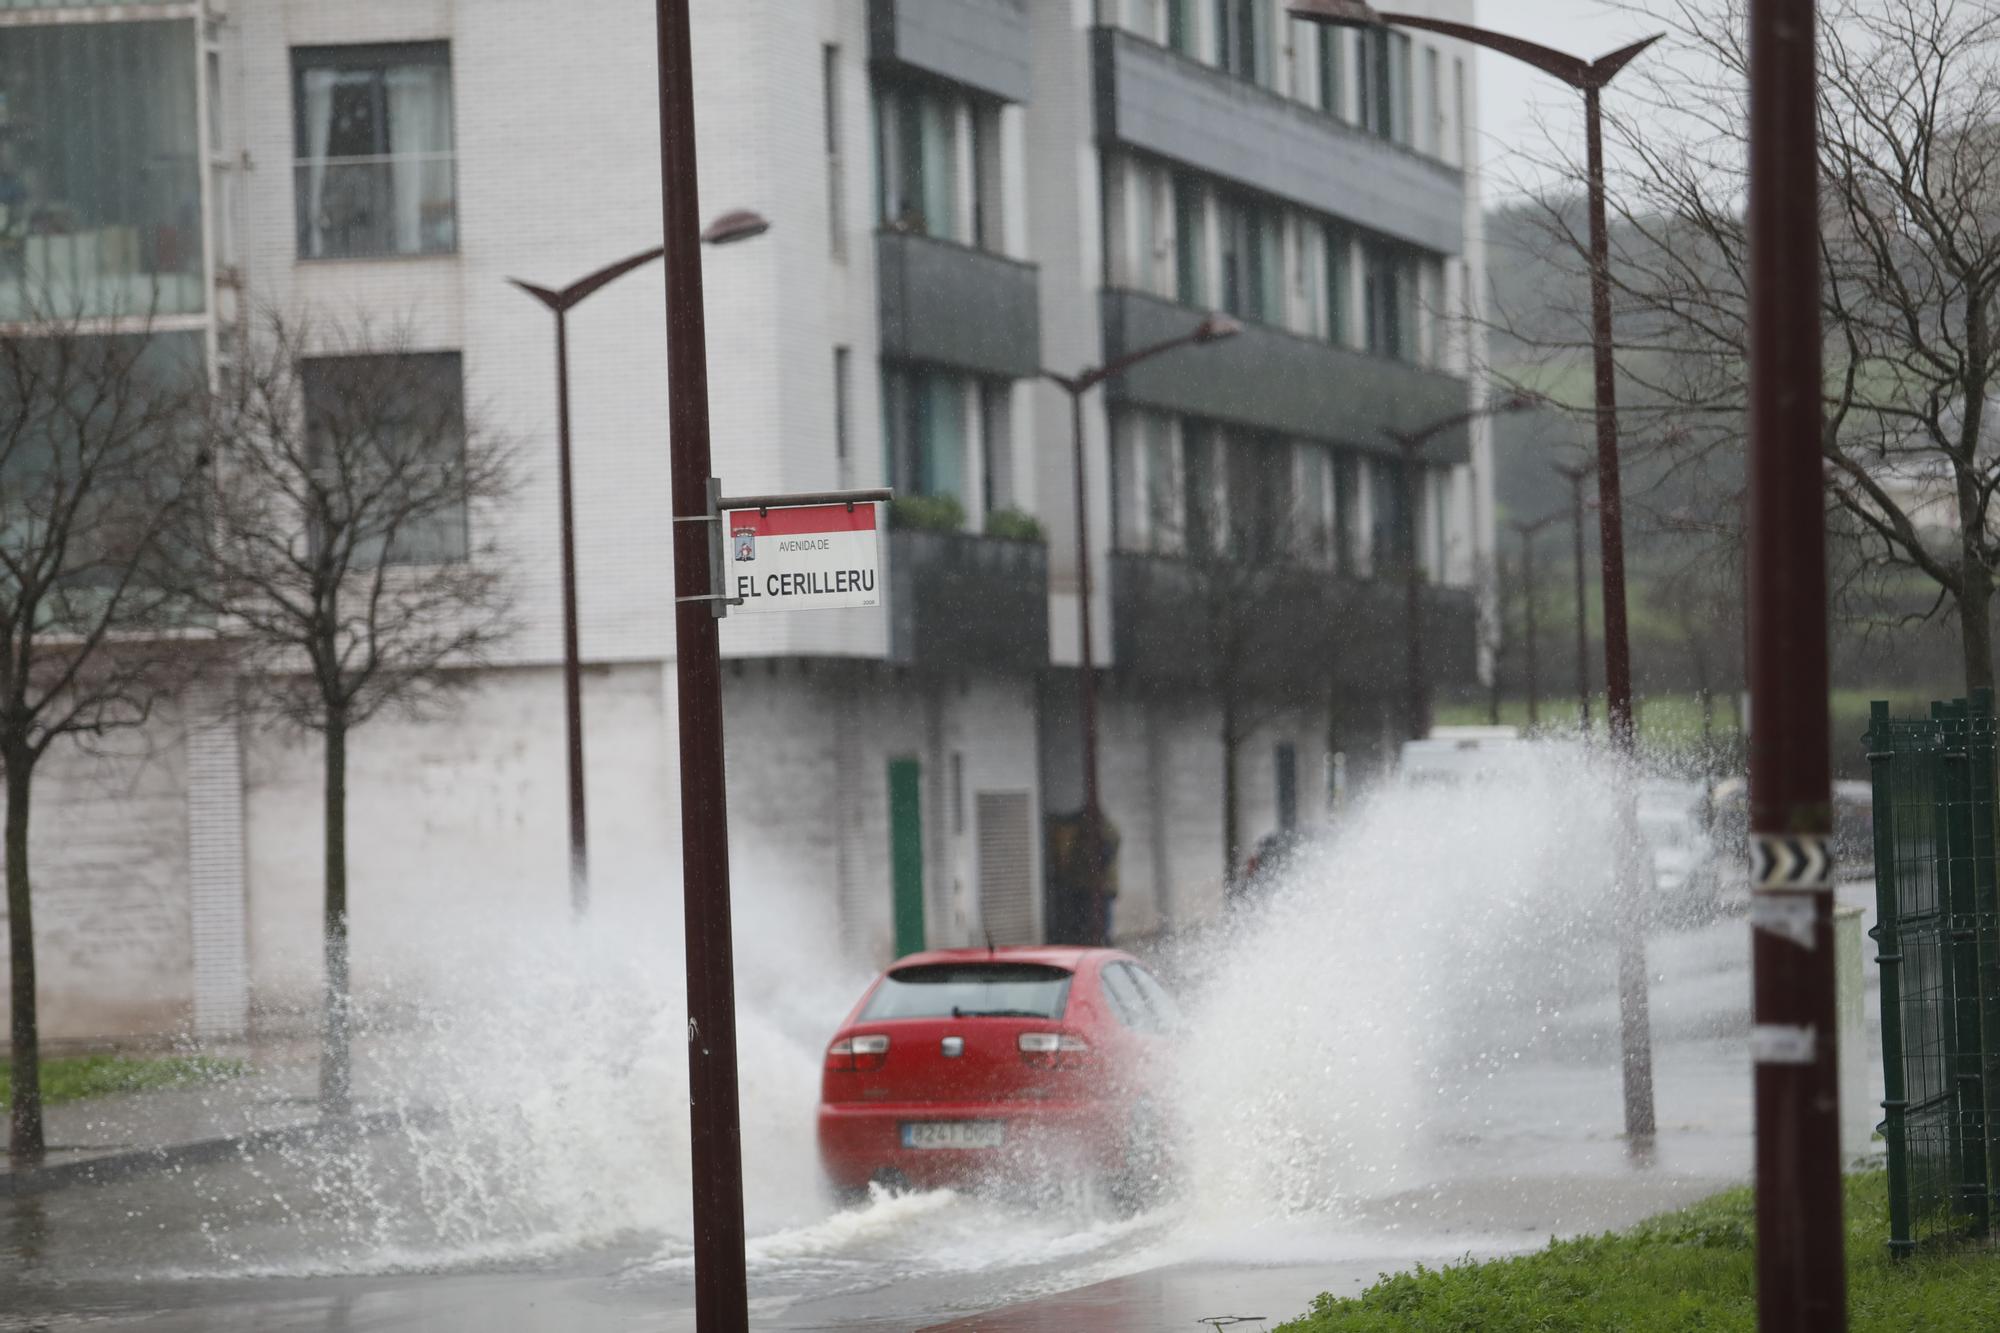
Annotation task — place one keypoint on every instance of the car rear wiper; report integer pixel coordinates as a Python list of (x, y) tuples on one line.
[(957, 1012)]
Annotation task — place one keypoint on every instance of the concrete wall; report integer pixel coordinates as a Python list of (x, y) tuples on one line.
[(108, 863)]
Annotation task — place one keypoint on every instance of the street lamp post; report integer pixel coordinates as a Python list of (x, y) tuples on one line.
[(1215, 328), (735, 226), (1528, 532), (1590, 77), (1416, 675), (1575, 475)]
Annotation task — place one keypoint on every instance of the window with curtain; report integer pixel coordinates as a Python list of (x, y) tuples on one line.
[(100, 177), (371, 420), (1190, 283), (376, 167), (918, 162), (1384, 80), (923, 419), (1180, 26)]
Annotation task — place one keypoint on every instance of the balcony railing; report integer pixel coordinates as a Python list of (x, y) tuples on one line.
[(1270, 379), (958, 601), (955, 306), (1282, 630)]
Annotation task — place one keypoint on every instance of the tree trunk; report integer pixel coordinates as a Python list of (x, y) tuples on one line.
[(1231, 835), (335, 1066), (25, 1143), (1975, 612)]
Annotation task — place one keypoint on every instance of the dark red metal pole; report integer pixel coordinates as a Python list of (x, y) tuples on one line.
[(579, 852), (1634, 1023), (1801, 1263), (1576, 476), (1093, 813), (1528, 605), (721, 1292)]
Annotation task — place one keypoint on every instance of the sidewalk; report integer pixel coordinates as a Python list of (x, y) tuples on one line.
[(120, 1134)]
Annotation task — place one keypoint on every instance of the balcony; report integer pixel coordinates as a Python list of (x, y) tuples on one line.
[(959, 601), (982, 44), (1160, 102), (929, 290), (1283, 631), (1269, 379)]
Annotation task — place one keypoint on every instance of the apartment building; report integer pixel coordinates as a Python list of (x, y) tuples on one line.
[(963, 193)]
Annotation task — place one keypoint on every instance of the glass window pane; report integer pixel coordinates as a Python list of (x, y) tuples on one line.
[(100, 181), (392, 416), (375, 144)]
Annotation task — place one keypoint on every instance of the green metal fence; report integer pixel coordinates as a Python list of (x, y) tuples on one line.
[(1938, 945)]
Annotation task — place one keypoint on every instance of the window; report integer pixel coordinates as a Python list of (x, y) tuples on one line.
[(843, 468), (924, 418), (1433, 102), (1393, 541), (100, 170), (1332, 70), (1390, 297), (1190, 283), (1253, 260), (386, 434), (1180, 26), (1243, 39), (919, 164), (1138, 1001), (1315, 504), (996, 444), (1462, 108), (1384, 84), (1346, 503), (969, 990), (1199, 510), (836, 172), (1260, 496), (1339, 285), (375, 173)]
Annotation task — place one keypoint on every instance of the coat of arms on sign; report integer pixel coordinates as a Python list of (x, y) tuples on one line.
[(746, 543)]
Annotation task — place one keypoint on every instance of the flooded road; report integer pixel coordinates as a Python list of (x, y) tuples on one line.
[(1411, 1054)]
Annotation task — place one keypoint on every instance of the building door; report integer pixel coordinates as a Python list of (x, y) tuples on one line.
[(906, 853), (1288, 786)]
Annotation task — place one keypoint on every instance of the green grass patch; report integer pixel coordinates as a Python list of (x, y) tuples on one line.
[(1682, 1271), (72, 1078)]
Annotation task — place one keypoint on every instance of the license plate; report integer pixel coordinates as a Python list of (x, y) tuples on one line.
[(953, 1134)]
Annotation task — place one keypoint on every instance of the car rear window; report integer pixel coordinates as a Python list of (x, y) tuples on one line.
[(970, 990)]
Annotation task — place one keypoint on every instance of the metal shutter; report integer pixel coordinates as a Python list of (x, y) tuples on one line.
[(1006, 873)]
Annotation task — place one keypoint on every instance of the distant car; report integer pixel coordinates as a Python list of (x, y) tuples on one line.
[(962, 1064)]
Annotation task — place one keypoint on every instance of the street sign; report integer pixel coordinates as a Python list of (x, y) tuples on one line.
[(802, 557)]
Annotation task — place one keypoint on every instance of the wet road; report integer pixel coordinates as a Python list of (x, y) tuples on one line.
[(1518, 1149)]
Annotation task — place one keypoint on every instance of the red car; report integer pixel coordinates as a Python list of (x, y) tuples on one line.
[(960, 1064)]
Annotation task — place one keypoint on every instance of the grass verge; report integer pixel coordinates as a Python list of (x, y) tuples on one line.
[(73, 1077), (1682, 1271)]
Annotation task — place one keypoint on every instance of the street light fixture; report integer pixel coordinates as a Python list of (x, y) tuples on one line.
[(1216, 327), (1590, 77), (1416, 682), (739, 225)]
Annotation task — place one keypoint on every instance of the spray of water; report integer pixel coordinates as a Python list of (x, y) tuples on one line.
[(1339, 1028)]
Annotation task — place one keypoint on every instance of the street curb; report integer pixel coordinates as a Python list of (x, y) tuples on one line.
[(24, 1182)]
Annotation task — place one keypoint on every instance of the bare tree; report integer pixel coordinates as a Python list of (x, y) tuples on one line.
[(349, 482), (1910, 306), (96, 464)]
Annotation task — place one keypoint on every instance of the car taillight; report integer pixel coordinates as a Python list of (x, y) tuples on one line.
[(858, 1055), (1041, 1048)]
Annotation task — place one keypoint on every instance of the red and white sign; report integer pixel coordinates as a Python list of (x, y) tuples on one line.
[(806, 558)]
